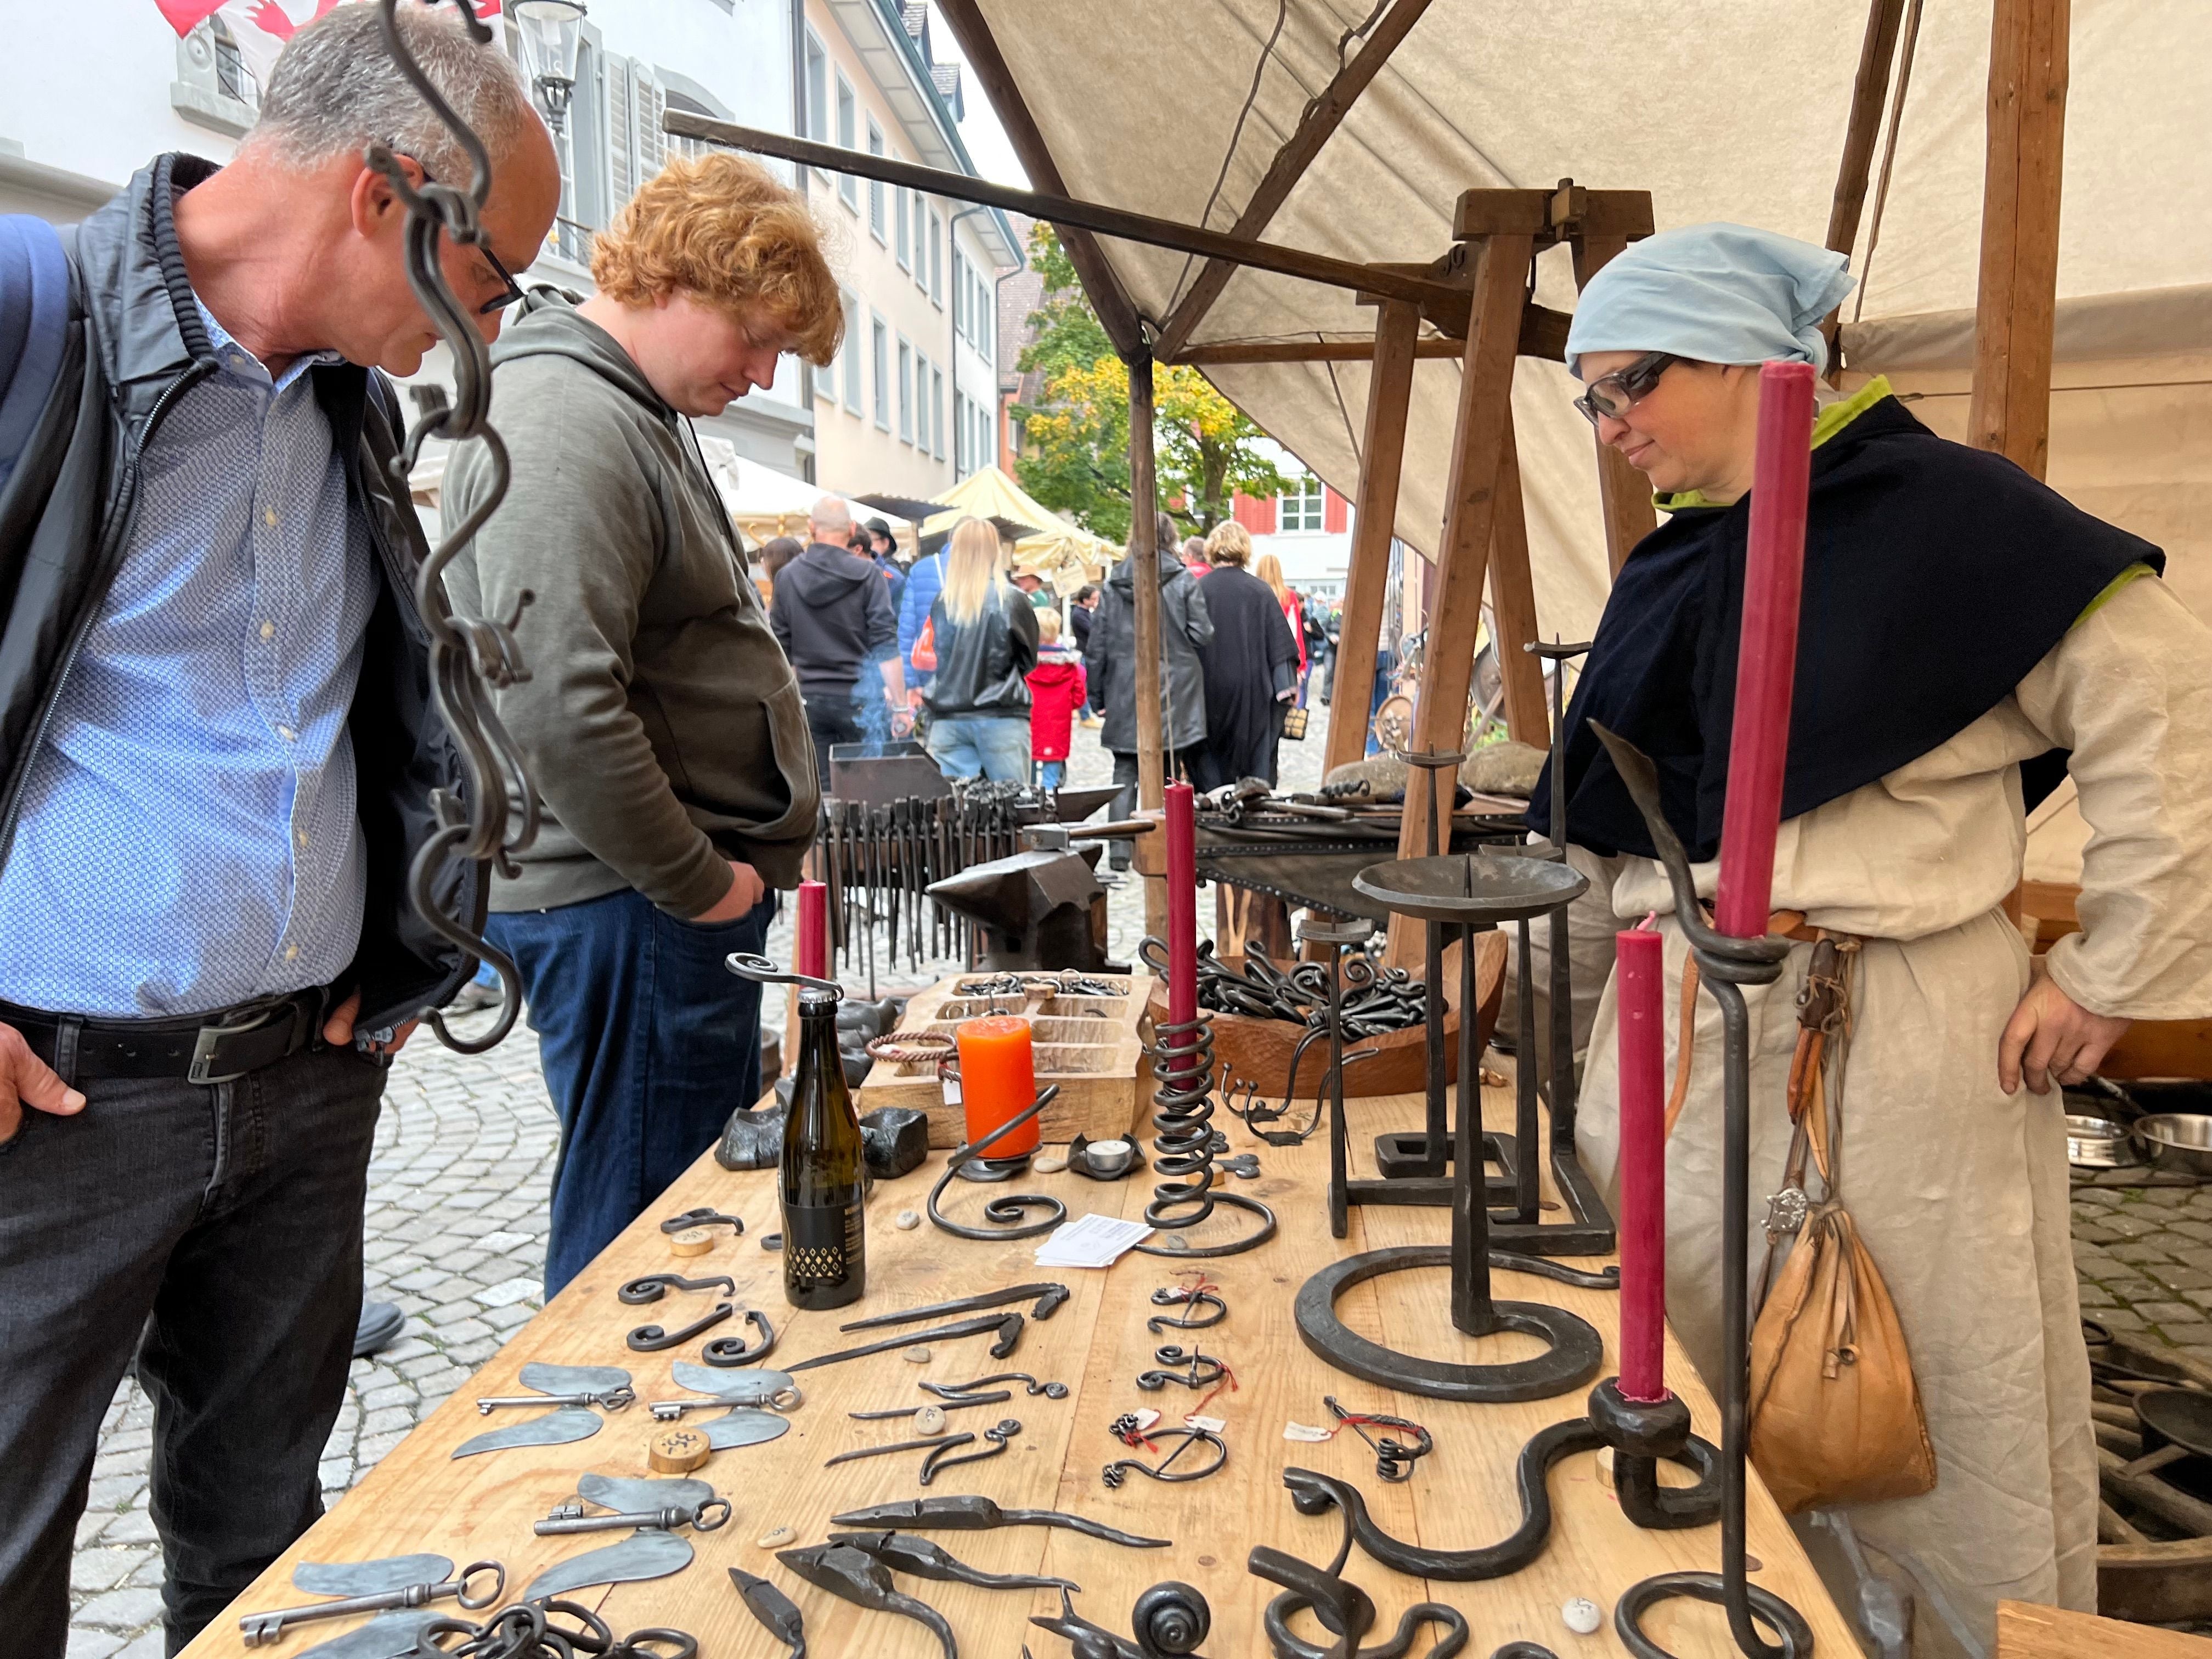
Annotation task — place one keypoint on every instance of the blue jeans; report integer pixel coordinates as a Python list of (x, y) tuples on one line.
[(649, 1043), (1051, 773), (994, 746)]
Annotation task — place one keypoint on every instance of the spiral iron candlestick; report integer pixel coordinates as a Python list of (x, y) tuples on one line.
[(1184, 1146)]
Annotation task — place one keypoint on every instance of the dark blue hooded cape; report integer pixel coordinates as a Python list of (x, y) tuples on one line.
[(1937, 576)]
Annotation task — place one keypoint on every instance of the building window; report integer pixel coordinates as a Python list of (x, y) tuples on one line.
[(881, 362), (936, 260), (875, 186), (849, 187), (1301, 509), (959, 433), (937, 413), (923, 423), (921, 249), (900, 245), (906, 392), (817, 90), (851, 354), (960, 294)]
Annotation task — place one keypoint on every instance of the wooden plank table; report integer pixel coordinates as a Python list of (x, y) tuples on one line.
[(419, 1498)]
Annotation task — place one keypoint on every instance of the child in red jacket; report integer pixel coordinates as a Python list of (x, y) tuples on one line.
[(1056, 693)]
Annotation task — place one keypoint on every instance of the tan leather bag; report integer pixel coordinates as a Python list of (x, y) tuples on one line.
[(1835, 1413)]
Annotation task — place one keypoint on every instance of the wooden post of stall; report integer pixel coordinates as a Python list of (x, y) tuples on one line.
[(1375, 514), (1471, 510), (1145, 590), (2014, 311), (1624, 494), (1513, 607)]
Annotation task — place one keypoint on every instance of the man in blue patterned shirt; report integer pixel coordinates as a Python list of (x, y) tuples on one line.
[(217, 754)]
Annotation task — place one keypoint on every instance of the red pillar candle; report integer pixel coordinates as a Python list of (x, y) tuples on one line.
[(1639, 985), (1180, 827), (1766, 659), (998, 1081), (813, 929)]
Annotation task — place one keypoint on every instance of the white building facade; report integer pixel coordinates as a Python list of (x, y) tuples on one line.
[(91, 91)]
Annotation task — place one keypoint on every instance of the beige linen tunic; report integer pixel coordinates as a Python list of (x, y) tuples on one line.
[(1959, 1191)]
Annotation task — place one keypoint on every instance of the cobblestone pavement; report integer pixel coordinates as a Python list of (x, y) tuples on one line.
[(456, 1228)]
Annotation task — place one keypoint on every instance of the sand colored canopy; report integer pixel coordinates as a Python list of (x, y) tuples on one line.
[(1063, 554)]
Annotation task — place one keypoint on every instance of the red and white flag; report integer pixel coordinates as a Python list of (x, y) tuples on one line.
[(262, 27)]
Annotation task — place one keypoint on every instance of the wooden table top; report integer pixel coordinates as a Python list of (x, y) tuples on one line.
[(420, 1498)]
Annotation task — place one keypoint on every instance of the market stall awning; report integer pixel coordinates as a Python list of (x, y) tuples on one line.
[(763, 502), (1061, 552)]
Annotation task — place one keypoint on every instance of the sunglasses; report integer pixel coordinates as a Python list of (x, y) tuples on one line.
[(510, 290), (1610, 397)]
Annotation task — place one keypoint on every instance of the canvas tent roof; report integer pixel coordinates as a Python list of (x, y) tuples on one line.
[(763, 502), (1058, 550), (1723, 109)]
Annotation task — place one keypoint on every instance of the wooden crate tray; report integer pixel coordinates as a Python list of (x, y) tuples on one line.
[(1093, 1046)]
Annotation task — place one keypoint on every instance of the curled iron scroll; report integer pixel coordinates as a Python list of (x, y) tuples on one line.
[(470, 656)]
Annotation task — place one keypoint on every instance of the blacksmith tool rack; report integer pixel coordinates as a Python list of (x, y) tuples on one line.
[(1471, 893), (471, 657), (1726, 965)]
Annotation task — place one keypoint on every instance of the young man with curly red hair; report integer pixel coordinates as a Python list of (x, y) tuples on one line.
[(661, 719)]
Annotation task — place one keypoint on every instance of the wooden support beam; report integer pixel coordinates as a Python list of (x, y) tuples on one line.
[(1869, 92), (1145, 592), (1375, 515), (2013, 310), (988, 65), (1550, 216), (1513, 607), (1321, 119), (1471, 505), (1543, 331), (1237, 353), (1624, 494), (1065, 211)]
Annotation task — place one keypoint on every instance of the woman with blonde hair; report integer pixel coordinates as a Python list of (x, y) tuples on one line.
[(1269, 569), (1251, 673), (985, 633)]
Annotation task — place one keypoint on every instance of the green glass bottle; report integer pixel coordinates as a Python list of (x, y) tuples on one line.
[(824, 1171)]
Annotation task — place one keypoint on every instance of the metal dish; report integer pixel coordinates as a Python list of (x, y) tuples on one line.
[(2098, 1143), (2182, 1140)]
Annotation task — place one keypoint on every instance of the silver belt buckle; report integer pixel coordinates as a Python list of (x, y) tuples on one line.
[(203, 1046)]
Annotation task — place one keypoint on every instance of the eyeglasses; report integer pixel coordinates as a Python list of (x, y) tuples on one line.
[(510, 290), (1610, 397)]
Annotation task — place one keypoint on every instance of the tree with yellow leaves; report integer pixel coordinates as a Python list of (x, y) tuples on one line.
[(1075, 438)]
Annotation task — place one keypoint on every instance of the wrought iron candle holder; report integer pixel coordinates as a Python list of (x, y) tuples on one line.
[(1472, 894), (1727, 964)]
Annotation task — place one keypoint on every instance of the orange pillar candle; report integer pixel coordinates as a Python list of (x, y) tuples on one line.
[(998, 1081)]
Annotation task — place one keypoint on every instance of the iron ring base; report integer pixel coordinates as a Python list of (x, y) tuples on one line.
[(1770, 1609), (1234, 1247)]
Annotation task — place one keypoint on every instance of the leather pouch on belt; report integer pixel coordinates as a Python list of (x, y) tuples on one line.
[(1835, 1412)]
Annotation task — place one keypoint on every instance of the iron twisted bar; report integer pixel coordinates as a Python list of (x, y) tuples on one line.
[(1727, 964), (470, 656)]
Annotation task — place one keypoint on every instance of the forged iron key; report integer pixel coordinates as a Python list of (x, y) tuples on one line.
[(259, 1629), (612, 1399), (706, 1516)]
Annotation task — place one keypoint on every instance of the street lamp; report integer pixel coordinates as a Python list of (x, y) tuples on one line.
[(552, 30)]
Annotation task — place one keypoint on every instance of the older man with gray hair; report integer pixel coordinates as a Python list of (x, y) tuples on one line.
[(218, 760)]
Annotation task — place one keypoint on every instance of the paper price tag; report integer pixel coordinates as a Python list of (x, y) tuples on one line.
[(1306, 1432), (1211, 1425)]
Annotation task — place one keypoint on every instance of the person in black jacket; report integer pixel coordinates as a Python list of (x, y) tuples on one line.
[(986, 635), (1186, 629), (219, 760), (1251, 670), (833, 615)]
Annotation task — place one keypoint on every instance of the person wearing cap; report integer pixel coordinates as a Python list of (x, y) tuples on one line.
[(1969, 638)]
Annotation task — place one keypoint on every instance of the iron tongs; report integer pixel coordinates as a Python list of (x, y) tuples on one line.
[(259, 1629)]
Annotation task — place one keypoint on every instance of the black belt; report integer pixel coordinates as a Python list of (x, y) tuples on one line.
[(218, 1048)]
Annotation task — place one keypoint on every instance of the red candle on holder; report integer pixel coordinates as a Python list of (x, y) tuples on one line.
[(1639, 985), (998, 1081), (1180, 827), (813, 929), (1766, 659)]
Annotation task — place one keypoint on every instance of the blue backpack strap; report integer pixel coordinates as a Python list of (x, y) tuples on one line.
[(34, 301)]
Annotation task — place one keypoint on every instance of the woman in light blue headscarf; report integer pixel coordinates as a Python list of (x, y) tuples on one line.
[(1964, 628)]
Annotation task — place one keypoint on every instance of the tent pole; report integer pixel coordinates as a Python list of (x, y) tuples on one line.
[(1470, 503), (1375, 515), (1869, 92), (1145, 590), (1321, 118), (1116, 315), (2010, 412)]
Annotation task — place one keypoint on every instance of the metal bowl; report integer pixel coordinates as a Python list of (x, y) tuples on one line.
[(2098, 1143), (2181, 1140)]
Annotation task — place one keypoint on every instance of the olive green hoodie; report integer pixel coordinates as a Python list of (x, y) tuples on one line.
[(661, 722)]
